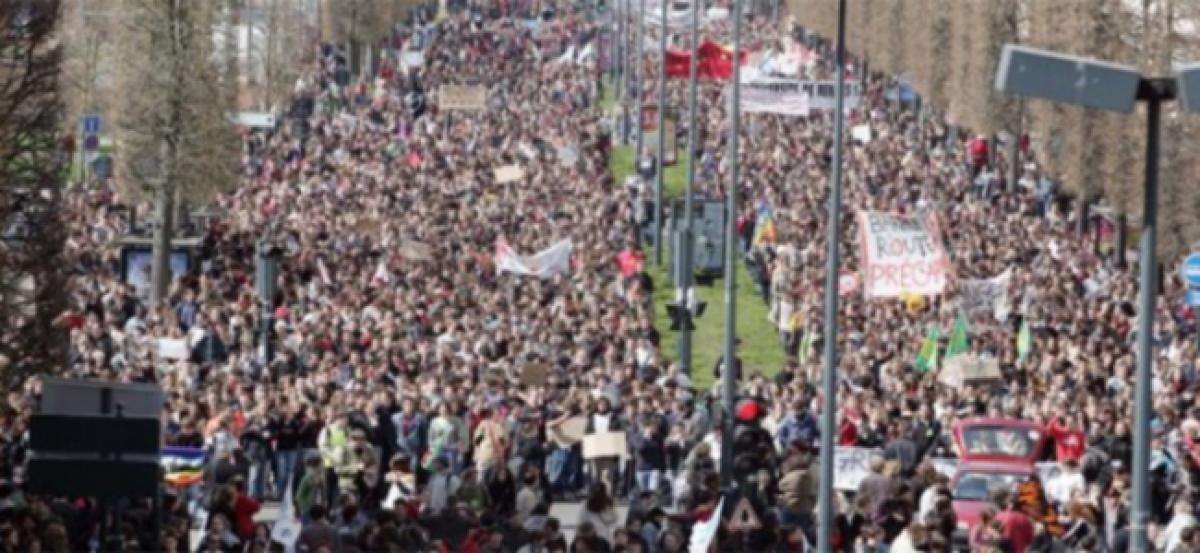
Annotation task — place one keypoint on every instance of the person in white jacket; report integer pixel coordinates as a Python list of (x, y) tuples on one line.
[(1171, 536)]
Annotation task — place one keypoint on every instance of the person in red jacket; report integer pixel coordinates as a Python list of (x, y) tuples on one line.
[(244, 509), (1069, 440)]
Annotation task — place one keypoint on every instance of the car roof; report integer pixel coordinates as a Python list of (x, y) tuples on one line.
[(990, 466), (1002, 422)]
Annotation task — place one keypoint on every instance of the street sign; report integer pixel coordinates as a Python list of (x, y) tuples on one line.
[(91, 142), (1191, 270), (744, 519), (1193, 297), (91, 124)]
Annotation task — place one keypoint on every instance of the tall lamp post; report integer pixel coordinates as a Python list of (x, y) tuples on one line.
[(686, 237), (730, 368), (1107, 86), (662, 136), (833, 239), (638, 65)]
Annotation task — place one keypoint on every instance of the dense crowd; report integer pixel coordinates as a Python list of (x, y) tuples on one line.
[(395, 414)]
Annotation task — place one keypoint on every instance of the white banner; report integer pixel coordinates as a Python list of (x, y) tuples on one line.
[(902, 254), (979, 294), (851, 465), (778, 96), (545, 264)]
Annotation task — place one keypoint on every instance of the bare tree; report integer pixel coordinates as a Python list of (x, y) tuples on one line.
[(33, 279), (175, 123)]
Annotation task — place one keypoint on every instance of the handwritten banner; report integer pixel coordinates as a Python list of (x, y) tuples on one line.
[(902, 254), (462, 97)]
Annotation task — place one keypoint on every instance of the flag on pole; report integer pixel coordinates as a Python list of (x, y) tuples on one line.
[(287, 528), (927, 356), (806, 343), (764, 226), (184, 466), (958, 337), (1024, 341)]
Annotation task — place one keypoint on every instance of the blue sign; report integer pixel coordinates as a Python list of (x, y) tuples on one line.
[(91, 124), (1191, 270), (1193, 297)]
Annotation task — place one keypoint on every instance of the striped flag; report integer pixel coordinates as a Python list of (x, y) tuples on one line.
[(764, 226), (1024, 341), (184, 466), (927, 357)]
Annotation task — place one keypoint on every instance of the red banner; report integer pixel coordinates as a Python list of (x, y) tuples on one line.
[(715, 62)]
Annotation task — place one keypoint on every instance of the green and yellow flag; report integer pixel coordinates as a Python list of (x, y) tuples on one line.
[(927, 356), (958, 338), (1024, 341)]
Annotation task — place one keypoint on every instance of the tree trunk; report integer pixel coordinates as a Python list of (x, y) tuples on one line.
[(160, 270), (1122, 239), (1014, 161), (1082, 205)]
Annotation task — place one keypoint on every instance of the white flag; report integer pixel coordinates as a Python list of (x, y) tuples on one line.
[(287, 529), (704, 533), (547, 263), (381, 277)]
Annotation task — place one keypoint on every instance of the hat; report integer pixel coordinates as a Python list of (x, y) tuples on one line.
[(748, 411)]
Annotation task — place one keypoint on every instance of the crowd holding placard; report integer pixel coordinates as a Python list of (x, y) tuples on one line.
[(463, 332)]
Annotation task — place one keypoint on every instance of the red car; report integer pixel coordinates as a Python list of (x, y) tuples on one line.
[(993, 454)]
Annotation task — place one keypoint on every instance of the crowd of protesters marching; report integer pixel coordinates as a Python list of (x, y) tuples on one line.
[(395, 415)]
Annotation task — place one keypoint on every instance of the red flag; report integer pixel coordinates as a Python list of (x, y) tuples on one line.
[(414, 160)]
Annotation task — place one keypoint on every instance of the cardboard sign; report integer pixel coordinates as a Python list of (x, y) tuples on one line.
[(462, 97), (568, 432), (851, 465), (508, 173), (413, 250), (969, 369), (535, 374), (605, 444)]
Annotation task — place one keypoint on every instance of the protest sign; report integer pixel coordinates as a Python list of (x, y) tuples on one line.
[(979, 294), (861, 133), (508, 173), (413, 250), (851, 465), (174, 349), (547, 263), (605, 444), (969, 369), (902, 254), (535, 374), (778, 96), (650, 134), (568, 432), (462, 97)]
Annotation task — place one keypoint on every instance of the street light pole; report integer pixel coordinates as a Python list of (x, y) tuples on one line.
[(686, 271), (637, 81), (829, 376), (729, 370), (1153, 92), (660, 165)]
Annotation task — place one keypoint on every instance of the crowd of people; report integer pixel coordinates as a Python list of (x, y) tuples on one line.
[(396, 413)]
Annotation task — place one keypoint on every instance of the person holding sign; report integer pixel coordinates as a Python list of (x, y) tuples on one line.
[(603, 420)]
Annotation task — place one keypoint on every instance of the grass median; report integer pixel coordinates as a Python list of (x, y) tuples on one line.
[(760, 350)]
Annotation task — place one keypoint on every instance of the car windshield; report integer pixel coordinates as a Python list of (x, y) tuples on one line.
[(978, 486), (1000, 440)]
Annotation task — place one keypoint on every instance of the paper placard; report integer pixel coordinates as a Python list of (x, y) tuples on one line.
[(462, 97), (568, 432), (535, 375), (413, 250), (175, 349), (969, 369), (861, 133), (508, 173), (605, 444)]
